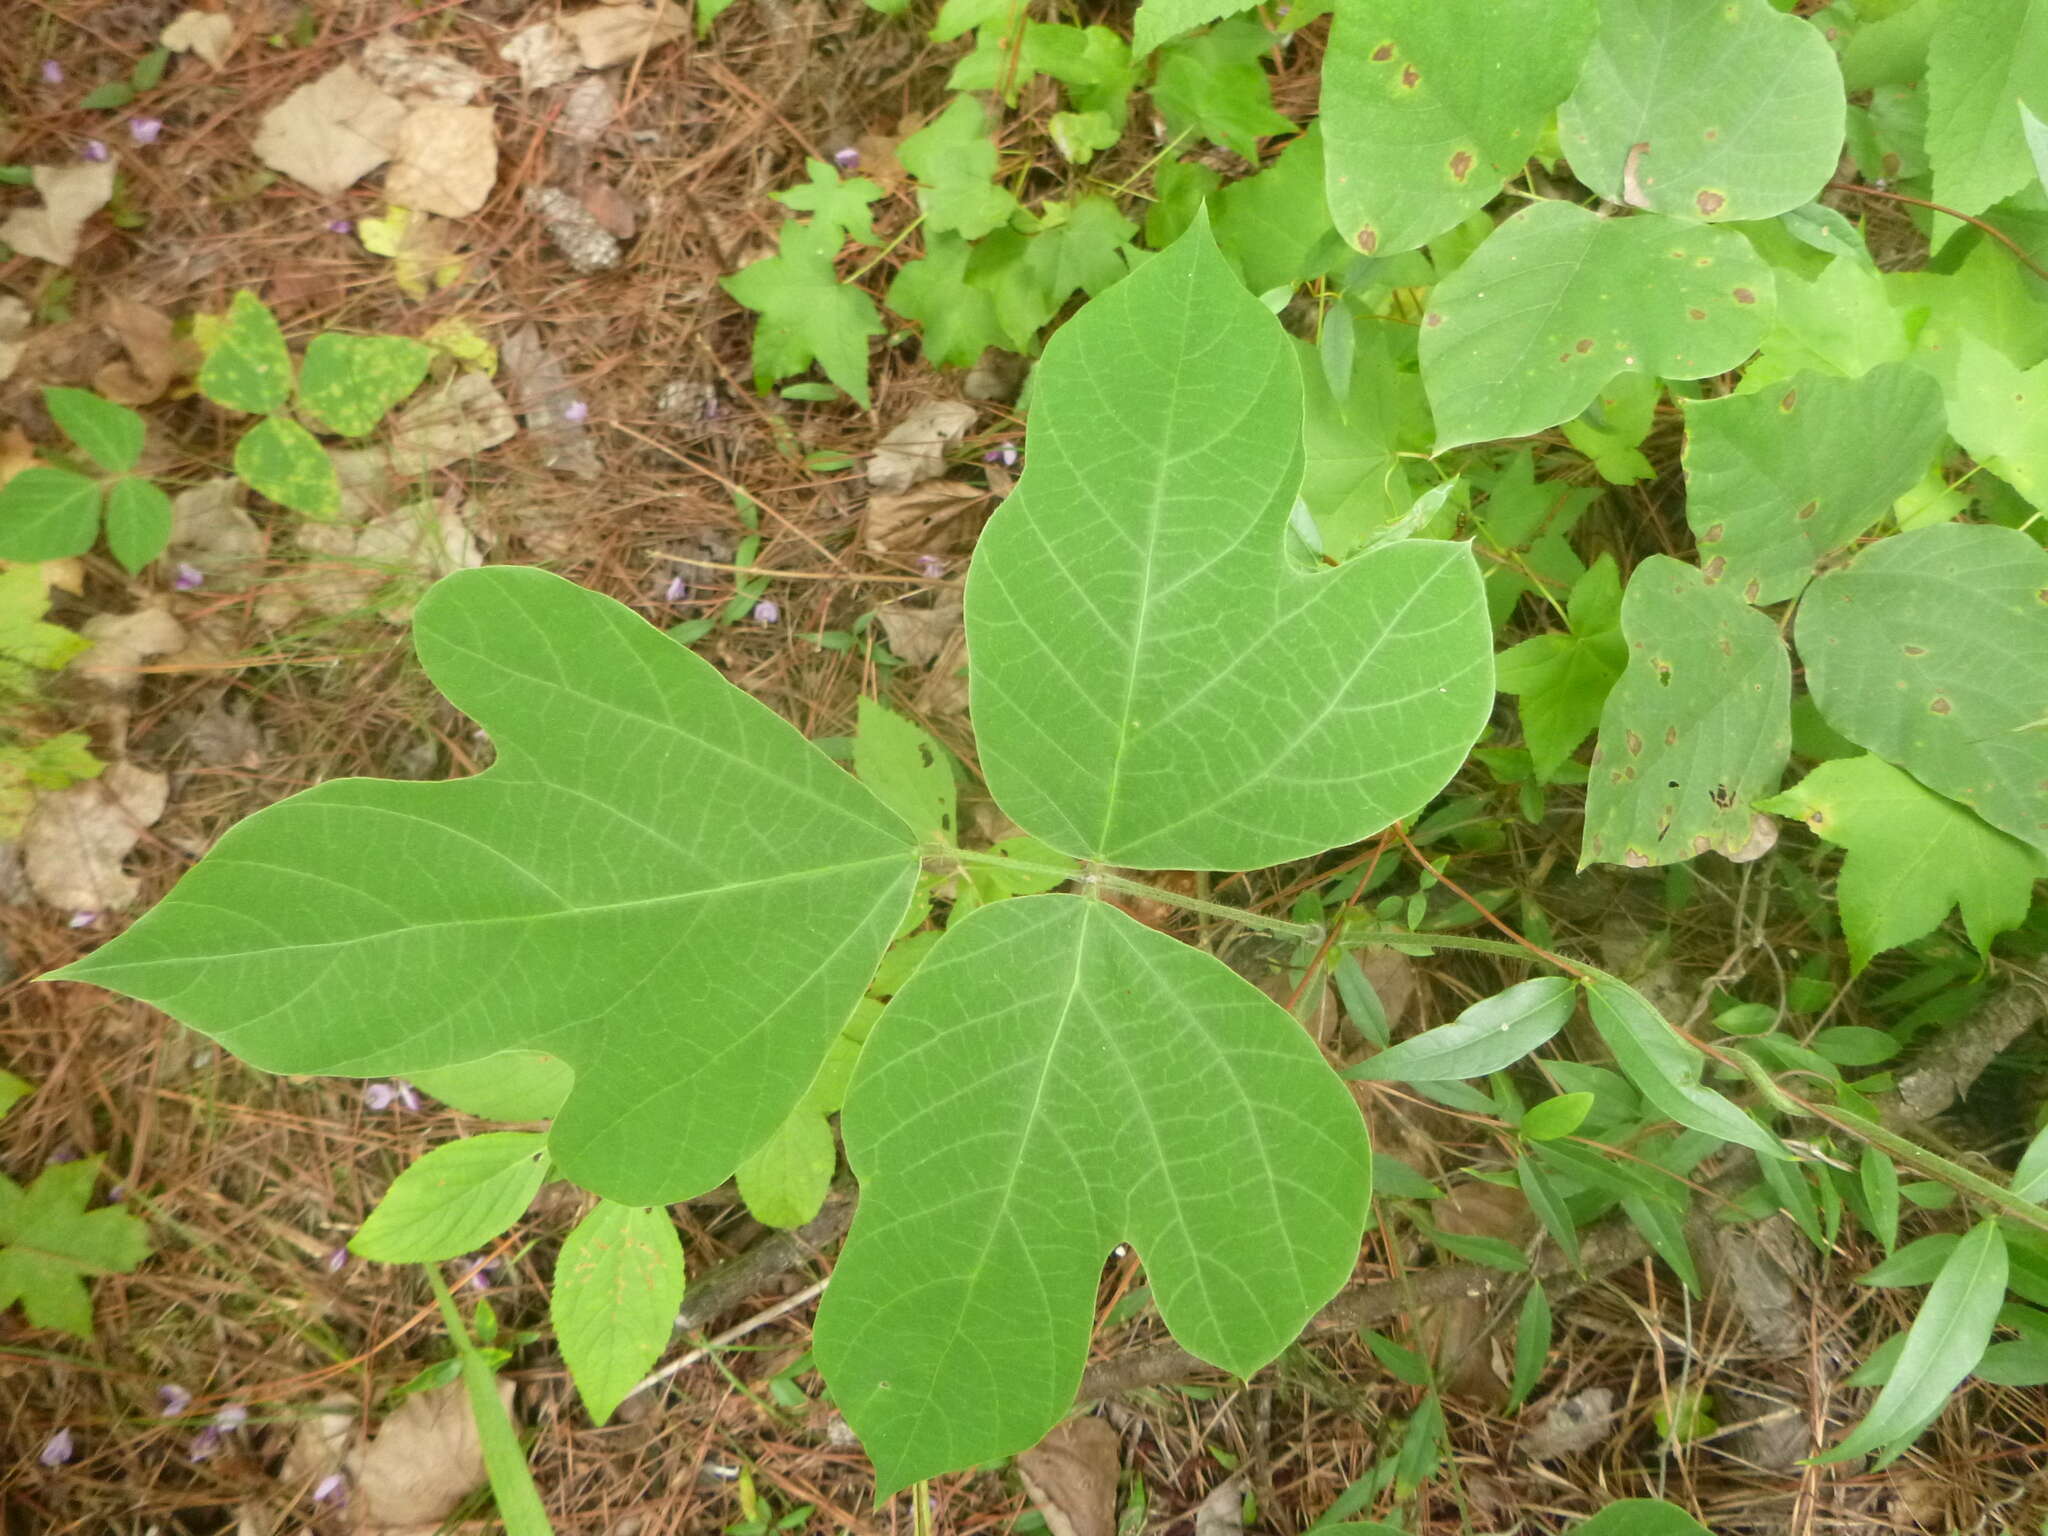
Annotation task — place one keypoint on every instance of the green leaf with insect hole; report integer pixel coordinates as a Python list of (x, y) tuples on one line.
[(618, 1283)]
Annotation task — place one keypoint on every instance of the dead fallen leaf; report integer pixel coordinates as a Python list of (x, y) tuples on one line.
[(919, 635), (387, 563), (612, 209), (1222, 1512), (1391, 975), (996, 375), (122, 642), (544, 56), (71, 195), (154, 359), (424, 1460), (614, 34), (1071, 1476), (320, 1443), (544, 398), (222, 733), (332, 132), (14, 318), (1760, 1269), (414, 74), (1763, 837), (76, 838), (587, 111), (458, 420), (914, 450), (1459, 1336), (918, 519), (589, 246), (209, 34), (445, 161), (1575, 1425)]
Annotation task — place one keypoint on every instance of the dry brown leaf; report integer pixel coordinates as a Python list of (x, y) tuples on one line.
[(1574, 1426), (332, 132), (76, 838), (122, 642), (919, 635), (445, 161), (1459, 1336), (1391, 975), (1071, 1476), (14, 318), (1222, 1512), (587, 111), (414, 74), (209, 34), (415, 545), (543, 396), (589, 246), (16, 453), (544, 56), (443, 426), (320, 1443), (1760, 1270), (918, 519), (914, 450), (612, 209), (615, 34), (996, 375), (154, 355), (424, 1460), (71, 195)]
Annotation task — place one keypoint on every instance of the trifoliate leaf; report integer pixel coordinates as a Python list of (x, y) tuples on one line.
[(455, 1198), (1559, 300), (1056, 1079), (954, 161), (50, 1242), (1910, 856), (280, 459), (835, 205), (2000, 414), (1984, 61), (352, 382), (807, 314), (618, 1283), (138, 522), (48, 514), (110, 435), (596, 893), (247, 367), (1215, 87), (958, 321)]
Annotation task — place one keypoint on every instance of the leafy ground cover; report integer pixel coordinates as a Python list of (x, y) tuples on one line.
[(661, 302)]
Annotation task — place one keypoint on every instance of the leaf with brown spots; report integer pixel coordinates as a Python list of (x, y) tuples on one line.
[(618, 1282)]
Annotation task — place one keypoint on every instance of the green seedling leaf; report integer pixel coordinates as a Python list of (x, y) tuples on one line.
[(1490, 1036), (1136, 590), (807, 314), (27, 644), (1698, 728), (50, 1243), (456, 1198), (48, 514), (13, 1090), (1911, 856), (1726, 111), (280, 459), (1941, 1348), (1427, 113), (1879, 1180), (110, 435), (836, 205), (1556, 1117), (1562, 681), (512, 1085), (958, 321), (351, 382), (1532, 1346), (1931, 650), (148, 72), (906, 770), (1779, 479), (110, 97), (1999, 412), (1056, 1079), (1559, 300), (138, 522), (1665, 1067), (954, 161), (786, 1179), (1983, 61), (247, 367), (1158, 21), (1641, 1517), (1215, 87), (593, 894), (618, 1282)]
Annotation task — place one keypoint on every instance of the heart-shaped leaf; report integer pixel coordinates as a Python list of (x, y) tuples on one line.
[(658, 881), (1055, 1079), (351, 382), (1155, 681), (280, 459), (247, 367)]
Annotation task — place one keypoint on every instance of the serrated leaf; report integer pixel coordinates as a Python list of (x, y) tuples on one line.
[(1055, 1079), (1665, 1067), (280, 459), (1724, 111), (1215, 86), (247, 367), (1931, 650), (1911, 856), (1640, 1517), (1136, 590), (1491, 1035), (1559, 300), (958, 321), (26, 642), (50, 1242), (593, 894), (838, 205), (1427, 111), (1698, 728), (48, 514), (1778, 479), (618, 1283), (1983, 61), (906, 770), (110, 435), (954, 161), (351, 382), (455, 1198), (138, 522), (807, 314), (2000, 414), (785, 1180)]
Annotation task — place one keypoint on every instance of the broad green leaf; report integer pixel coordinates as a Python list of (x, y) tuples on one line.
[(1725, 111), (1134, 606), (834, 203), (1641, 1517), (1031, 271), (512, 1085), (807, 314), (1559, 300), (1931, 650), (48, 514), (1985, 59), (785, 1180), (954, 161), (110, 435), (1942, 1347), (455, 1198), (1489, 1036), (1354, 480), (1428, 110), (1273, 225), (1666, 1067), (280, 459), (1215, 86), (138, 522), (1056, 1079), (1562, 681), (352, 382), (1698, 728), (618, 1283), (247, 367), (1778, 479), (596, 893), (1159, 20), (2000, 414), (49, 1243), (958, 321), (1843, 321), (906, 770), (1911, 856)]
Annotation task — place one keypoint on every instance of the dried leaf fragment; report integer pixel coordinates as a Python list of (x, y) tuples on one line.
[(543, 395), (71, 195), (425, 1459), (1574, 1426), (14, 318), (913, 520), (445, 160), (208, 34), (613, 34), (332, 132), (1071, 1476), (76, 839), (154, 355), (589, 246), (914, 450), (544, 56), (415, 74)]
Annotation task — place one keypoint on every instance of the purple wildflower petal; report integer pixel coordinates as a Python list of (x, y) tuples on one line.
[(94, 151), (204, 1444), (767, 611), (408, 1096), (331, 1489), (66, 1153), (232, 1416), (932, 566), (846, 159), (172, 1400), (117, 1194), (341, 226), (337, 1261), (678, 589), (145, 130), (83, 919), (53, 72), (188, 577), (576, 411), (58, 1449), (377, 1097)]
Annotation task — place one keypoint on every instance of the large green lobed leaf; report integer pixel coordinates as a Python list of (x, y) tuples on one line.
[(1155, 681), (1986, 60), (658, 881), (1055, 1079)]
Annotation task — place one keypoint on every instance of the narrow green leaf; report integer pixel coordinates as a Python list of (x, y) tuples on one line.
[(1532, 1346), (1915, 1264), (906, 770), (1880, 1182), (456, 1198), (138, 522), (248, 368), (148, 72), (1663, 1228), (618, 1283), (1548, 1204), (1665, 1068), (785, 1180), (280, 459), (1490, 1035), (352, 382), (1556, 1117), (110, 435), (2030, 1178), (110, 97), (48, 514)]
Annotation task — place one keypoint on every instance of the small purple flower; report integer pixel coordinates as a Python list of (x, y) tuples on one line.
[(94, 151), (66, 1153), (172, 1400), (678, 589), (846, 159), (931, 566), (232, 1416), (83, 919), (1004, 454), (203, 1445), (341, 226), (576, 411), (58, 1449), (336, 1261), (53, 72), (188, 577), (378, 1097), (485, 1275), (767, 611), (145, 130), (117, 1194), (331, 1489)]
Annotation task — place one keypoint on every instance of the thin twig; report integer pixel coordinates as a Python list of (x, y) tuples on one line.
[(738, 1331)]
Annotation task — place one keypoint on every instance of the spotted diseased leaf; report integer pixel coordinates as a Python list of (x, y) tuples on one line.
[(247, 367), (1559, 300), (1698, 728), (50, 1244), (280, 459), (807, 315), (1983, 62), (618, 1283), (48, 514), (593, 894), (351, 382)]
